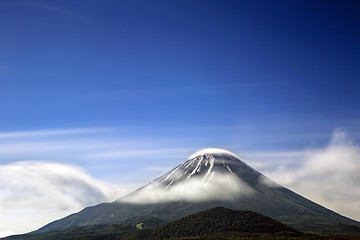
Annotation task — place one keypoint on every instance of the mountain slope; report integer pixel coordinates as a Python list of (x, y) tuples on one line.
[(212, 178)]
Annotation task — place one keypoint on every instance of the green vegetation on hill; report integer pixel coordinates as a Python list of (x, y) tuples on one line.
[(219, 220)]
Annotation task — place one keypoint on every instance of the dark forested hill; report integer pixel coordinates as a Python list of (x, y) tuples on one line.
[(221, 220)]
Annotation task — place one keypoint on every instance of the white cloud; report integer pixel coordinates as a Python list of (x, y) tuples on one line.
[(33, 193), (6, 233), (218, 187), (329, 176)]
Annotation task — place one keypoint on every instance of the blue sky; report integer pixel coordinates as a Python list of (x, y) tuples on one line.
[(128, 89)]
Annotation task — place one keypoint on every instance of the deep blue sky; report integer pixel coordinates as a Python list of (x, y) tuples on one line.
[(129, 89), (179, 63), (242, 75)]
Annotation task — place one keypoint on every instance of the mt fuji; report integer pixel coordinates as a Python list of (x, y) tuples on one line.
[(211, 178), (210, 174)]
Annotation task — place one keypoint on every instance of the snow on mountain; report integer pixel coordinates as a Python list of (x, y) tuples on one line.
[(209, 174)]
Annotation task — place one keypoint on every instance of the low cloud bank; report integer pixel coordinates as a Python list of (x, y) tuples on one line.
[(219, 187), (6, 233), (33, 193), (330, 176)]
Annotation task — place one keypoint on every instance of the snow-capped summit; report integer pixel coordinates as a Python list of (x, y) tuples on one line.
[(208, 164), (209, 174)]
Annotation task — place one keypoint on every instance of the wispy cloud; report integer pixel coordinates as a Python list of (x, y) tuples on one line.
[(159, 153), (267, 159), (50, 184), (328, 176), (50, 146), (43, 187), (50, 132)]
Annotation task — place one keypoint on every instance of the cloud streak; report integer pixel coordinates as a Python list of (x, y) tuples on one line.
[(50, 132), (168, 152)]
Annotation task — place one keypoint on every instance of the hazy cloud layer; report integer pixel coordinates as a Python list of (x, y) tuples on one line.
[(328, 176), (219, 187), (40, 191)]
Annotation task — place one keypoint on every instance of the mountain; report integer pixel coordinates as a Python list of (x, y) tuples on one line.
[(216, 223), (221, 220), (211, 178)]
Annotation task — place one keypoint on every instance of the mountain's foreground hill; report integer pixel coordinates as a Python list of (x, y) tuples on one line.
[(211, 178), (221, 220)]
